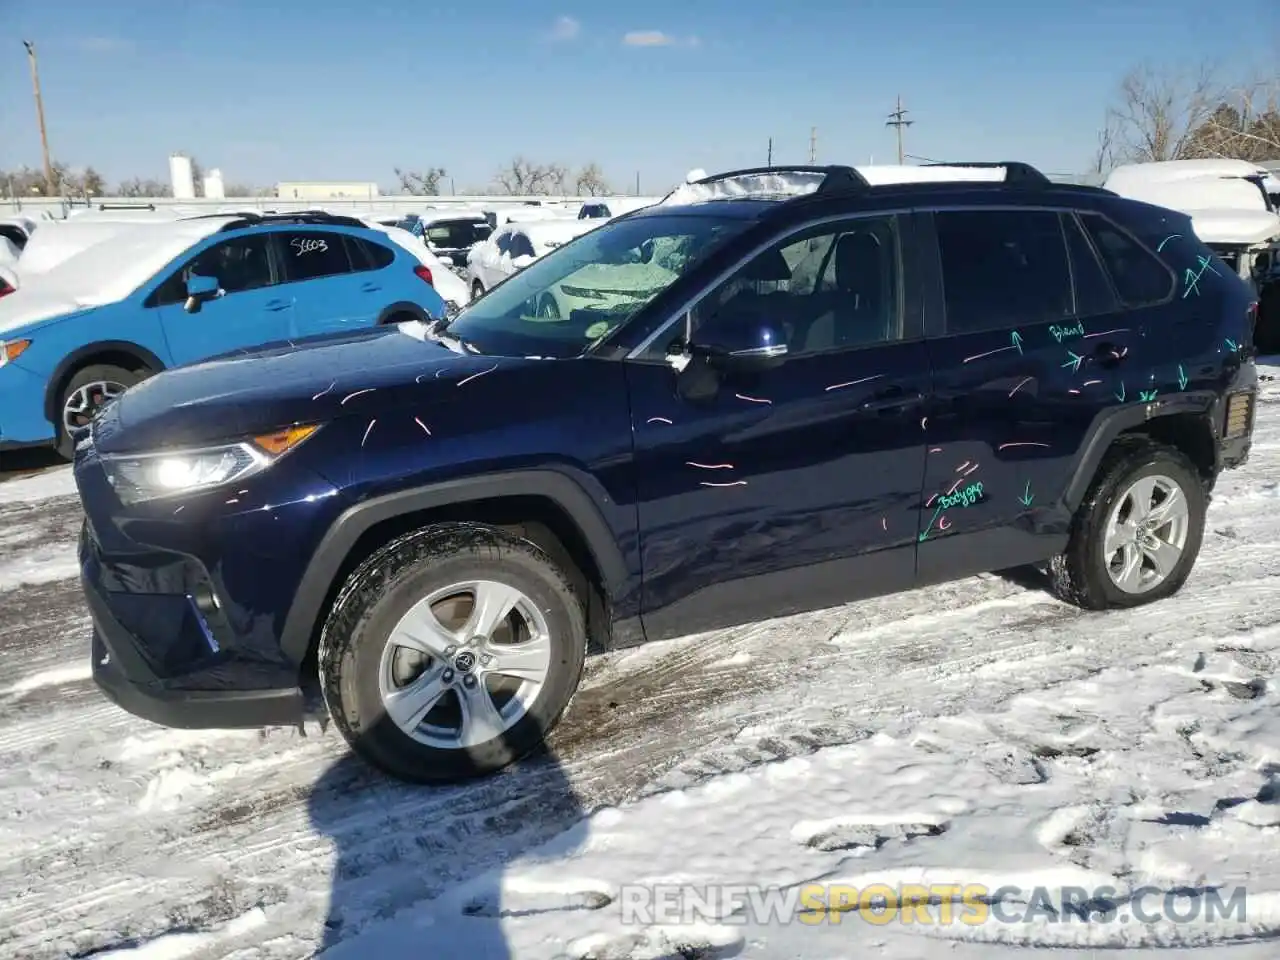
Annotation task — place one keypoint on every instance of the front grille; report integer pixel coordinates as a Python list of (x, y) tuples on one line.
[(1239, 418)]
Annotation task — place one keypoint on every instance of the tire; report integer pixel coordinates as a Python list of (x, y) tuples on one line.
[(397, 581), (85, 377), (477, 290), (398, 318), (1080, 575), (548, 308)]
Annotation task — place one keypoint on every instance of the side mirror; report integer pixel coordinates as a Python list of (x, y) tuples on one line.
[(200, 290), (521, 261), (738, 343)]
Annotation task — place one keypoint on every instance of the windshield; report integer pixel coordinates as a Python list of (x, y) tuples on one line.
[(582, 291)]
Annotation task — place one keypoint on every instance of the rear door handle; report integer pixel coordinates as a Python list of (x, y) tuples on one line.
[(1109, 354), (894, 398), (370, 287), (275, 306)]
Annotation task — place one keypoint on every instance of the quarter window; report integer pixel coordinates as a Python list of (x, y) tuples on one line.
[(366, 255), (1140, 278), (1003, 269)]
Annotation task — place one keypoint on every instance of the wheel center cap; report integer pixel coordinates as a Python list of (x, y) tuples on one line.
[(464, 662)]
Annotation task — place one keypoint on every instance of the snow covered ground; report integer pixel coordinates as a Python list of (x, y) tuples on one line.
[(979, 733)]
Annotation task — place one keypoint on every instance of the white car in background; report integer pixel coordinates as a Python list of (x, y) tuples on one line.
[(513, 247), (452, 288)]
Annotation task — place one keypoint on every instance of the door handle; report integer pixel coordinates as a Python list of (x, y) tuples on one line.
[(370, 287), (276, 306), (894, 398), (1109, 355)]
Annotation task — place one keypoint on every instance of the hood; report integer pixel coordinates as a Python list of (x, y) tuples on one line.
[(36, 304), (311, 381)]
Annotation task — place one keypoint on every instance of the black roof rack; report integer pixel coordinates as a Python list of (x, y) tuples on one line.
[(126, 206), (1016, 172), (312, 217)]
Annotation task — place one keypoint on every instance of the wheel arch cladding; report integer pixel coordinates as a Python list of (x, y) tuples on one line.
[(1182, 422), (503, 499), (116, 353), (403, 307)]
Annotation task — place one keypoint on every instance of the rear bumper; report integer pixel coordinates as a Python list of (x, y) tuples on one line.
[(124, 677)]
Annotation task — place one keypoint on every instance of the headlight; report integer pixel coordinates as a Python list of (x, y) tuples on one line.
[(167, 473)]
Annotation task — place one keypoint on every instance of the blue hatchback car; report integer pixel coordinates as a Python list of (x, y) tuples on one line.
[(171, 294)]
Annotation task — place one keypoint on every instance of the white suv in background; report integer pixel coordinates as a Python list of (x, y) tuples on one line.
[(515, 246)]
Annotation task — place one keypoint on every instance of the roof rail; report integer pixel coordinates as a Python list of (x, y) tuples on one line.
[(315, 217), (126, 206), (1016, 172)]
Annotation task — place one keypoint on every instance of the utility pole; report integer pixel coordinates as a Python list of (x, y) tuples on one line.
[(895, 120), (813, 145), (770, 160), (44, 135)]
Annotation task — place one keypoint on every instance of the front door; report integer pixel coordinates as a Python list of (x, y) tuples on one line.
[(1024, 360), (252, 308), (796, 487)]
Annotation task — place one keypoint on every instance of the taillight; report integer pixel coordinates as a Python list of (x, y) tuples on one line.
[(424, 273), (5, 289)]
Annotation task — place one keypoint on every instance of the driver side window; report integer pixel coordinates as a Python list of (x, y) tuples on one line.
[(829, 288), (238, 265)]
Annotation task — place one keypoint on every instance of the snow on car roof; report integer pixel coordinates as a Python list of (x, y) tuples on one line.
[(785, 184), (543, 230), (105, 272), (1166, 171), (1233, 226), (1189, 195)]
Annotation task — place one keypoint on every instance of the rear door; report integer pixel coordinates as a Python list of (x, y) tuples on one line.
[(253, 308), (1029, 345), (328, 290)]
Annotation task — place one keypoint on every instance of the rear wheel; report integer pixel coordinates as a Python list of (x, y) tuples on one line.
[(1138, 533), (85, 394), (452, 652)]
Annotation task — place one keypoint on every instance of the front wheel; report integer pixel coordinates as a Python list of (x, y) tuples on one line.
[(1137, 535), (85, 394), (451, 653)]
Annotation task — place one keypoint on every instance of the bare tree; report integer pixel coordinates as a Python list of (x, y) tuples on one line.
[(1157, 113), (524, 178), (1245, 125), (1104, 159), (140, 187), (424, 183), (239, 190), (591, 181)]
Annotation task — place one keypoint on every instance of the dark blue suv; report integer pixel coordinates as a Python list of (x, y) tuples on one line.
[(779, 390)]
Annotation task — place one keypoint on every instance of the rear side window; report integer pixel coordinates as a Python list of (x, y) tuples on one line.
[(1003, 268), (311, 254), (366, 255), (1139, 276)]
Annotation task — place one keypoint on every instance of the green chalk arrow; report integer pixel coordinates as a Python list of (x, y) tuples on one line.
[(1182, 378), (1026, 497), (1120, 395), (1074, 362), (1016, 339)]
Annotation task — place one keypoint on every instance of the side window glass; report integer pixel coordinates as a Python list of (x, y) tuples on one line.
[(238, 265), (1140, 278), (310, 255), (366, 255), (829, 288), (504, 242), (521, 246), (1003, 269), (1093, 290)]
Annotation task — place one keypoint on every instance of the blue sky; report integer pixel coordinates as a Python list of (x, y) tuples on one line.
[(347, 91)]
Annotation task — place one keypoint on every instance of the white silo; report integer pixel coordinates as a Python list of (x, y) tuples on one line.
[(213, 186), (184, 184)]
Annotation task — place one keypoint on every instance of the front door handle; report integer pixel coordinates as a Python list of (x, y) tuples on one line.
[(370, 287), (275, 306), (891, 400)]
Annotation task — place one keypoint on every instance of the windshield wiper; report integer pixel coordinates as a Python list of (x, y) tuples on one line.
[(438, 330)]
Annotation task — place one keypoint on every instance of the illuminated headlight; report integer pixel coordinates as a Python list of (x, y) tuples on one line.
[(167, 473)]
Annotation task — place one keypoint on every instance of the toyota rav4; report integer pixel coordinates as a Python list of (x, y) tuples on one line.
[(841, 383)]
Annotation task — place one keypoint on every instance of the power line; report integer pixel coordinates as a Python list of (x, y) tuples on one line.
[(896, 120)]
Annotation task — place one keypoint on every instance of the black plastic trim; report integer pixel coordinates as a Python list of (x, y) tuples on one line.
[(403, 306), (80, 357), (305, 612)]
